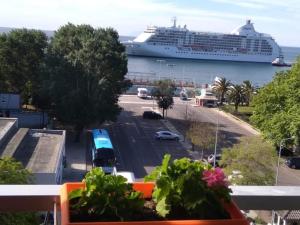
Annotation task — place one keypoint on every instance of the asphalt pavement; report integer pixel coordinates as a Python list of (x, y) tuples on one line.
[(139, 152)]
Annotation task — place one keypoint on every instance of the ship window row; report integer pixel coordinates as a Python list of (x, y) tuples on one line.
[(210, 45), (218, 54)]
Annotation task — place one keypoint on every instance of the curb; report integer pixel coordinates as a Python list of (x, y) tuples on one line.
[(246, 125)]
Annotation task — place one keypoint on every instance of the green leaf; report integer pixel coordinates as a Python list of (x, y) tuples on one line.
[(162, 207), (75, 194)]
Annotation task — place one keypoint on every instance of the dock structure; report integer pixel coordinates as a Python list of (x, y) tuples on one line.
[(149, 79)]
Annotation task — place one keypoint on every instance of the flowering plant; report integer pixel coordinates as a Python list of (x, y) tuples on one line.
[(189, 189)]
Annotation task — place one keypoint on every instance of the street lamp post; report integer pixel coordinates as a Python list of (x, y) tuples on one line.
[(160, 61), (216, 139), (277, 169), (279, 154)]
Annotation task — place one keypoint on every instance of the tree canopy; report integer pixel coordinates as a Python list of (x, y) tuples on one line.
[(277, 106), (202, 135), (236, 95), (253, 158), (86, 70), (22, 54), (163, 93), (221, 87), (13, 172)]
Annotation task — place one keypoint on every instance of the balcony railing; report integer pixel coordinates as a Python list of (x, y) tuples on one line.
[(14, 198)]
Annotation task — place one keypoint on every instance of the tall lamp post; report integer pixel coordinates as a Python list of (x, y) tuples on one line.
[(160, 62), (279, 154), (216, 139), (277, 170)]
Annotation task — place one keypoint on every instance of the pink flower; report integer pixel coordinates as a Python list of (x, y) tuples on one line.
[(215, 178)]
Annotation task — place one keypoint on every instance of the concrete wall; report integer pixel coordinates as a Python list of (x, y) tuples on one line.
[(31, 119), (44, 178)]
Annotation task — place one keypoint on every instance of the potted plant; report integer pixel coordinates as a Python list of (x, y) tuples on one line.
[(183, 192)]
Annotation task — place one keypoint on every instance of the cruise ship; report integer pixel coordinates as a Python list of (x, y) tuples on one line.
[(242, 44)]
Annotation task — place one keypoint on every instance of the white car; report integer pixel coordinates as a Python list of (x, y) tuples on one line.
[(166, 135)]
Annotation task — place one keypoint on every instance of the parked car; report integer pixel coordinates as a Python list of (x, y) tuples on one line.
[(293, 162), (152, 115), (183, 95), (166, 135), (210, 159), (285, 151), (142, 92)]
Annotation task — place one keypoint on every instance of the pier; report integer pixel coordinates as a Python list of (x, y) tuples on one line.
[(149, 79)]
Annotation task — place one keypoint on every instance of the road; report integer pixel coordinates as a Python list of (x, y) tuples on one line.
[(139, 152), (133, 136)]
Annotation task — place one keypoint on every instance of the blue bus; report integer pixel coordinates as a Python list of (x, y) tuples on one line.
[(103, 154)]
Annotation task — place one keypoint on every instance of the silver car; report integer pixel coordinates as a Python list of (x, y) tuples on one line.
[(166, 135)]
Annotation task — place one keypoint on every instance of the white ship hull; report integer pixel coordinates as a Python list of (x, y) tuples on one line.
[(144, 49), (243, 44)]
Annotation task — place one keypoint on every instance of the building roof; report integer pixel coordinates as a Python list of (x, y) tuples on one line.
[(38, 150)]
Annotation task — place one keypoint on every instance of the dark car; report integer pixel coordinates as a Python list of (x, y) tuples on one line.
[(152, 115), (293, 162), (285, 151)]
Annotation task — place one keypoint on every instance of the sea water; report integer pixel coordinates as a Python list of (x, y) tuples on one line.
[(205, 71)]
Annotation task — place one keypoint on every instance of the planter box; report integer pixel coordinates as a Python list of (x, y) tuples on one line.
[(146, 188)]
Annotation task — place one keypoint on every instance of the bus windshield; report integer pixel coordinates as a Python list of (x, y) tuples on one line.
[(104, 157)]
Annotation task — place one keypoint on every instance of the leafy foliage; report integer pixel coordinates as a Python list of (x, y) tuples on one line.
[(221, 87), (85, 75), (164, 92), (22, 54), (181, 190), (277, 106), (12, 172), (251, 154), (203, 135), (236, 95), (107, 196), (248, 90)]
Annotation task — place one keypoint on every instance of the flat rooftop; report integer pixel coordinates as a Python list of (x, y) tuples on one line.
[(5, 125), (38, 150)]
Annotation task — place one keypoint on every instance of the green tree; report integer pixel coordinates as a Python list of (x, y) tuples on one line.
[(236, 95), (221, 87), (163, 93), (254, 158), (22, 53), (86, 75), (277, 106), (248, 90), (202, 135), (12, 172)]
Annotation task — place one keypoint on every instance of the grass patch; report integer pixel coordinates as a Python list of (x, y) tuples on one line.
[(244, 112)]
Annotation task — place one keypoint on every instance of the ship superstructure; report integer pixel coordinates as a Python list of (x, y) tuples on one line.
[(242, 44)]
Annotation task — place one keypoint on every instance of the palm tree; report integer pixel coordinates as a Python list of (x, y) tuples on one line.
[(248, 90), (221, 87), (236, 95)]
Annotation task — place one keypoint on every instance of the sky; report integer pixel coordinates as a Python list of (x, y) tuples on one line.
[(279, 18)]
